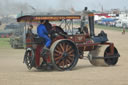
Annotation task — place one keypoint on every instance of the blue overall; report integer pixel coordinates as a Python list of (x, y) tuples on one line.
[(42, 32)]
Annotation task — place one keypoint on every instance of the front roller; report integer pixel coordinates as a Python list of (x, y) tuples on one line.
[(100, 57), (64, 54)]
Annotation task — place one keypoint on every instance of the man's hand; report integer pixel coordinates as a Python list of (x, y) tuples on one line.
[(49, 35)]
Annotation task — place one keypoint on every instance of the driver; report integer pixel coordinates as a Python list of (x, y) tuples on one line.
[(43, 33), (48, 26)]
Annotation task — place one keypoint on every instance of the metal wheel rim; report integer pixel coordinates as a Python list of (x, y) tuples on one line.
[(29, 58), (111, 61), (68, 62)]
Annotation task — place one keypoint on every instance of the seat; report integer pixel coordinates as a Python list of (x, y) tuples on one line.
[(38, 40)]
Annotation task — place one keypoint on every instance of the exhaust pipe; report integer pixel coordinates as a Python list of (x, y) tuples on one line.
[(91, 24)]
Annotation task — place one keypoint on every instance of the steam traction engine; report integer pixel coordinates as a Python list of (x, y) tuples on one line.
[(68, 44)]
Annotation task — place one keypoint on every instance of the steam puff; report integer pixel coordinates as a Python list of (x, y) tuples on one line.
[(13, 7), (16, 6)]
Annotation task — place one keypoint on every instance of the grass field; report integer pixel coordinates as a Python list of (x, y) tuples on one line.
[(109, 28), (4, 43)]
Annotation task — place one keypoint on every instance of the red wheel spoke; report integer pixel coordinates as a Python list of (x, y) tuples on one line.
[(71, 55), (62, 47), (69, 47), (59, 61), (68, 61), (57, 58), (58, 48), (63, 64), (66, 47), (70, 58), (58, 52), (71, 51)]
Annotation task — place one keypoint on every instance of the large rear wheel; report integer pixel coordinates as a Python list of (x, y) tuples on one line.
[(64, 54)]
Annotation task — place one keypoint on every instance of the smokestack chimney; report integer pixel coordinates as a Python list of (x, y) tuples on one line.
[(91, 24)]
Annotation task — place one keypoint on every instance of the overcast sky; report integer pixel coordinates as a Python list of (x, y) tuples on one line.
[(77, 4), (7, 6)]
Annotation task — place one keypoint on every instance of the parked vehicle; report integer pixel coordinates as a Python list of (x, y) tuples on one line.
[(119, 24), (122, 23), (17, 37)]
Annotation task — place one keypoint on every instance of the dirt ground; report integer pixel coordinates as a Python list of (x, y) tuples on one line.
[(14, 72)]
